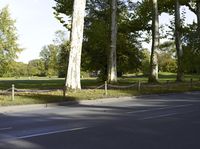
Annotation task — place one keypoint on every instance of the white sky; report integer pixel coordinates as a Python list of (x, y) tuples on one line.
[(36, 24)]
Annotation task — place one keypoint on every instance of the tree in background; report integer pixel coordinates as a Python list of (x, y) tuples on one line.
[(153, 76), (36, 67), (17, 70), (63, 58), (179, 49), (191, 52), (9, 48), (49, 57), (167, 57), (145, 62), (96, 46)]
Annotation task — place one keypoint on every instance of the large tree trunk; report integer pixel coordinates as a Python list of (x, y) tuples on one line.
[(198, 26), (198, 15), (112, 66), (73, 73), (153, 76), (179, 50)]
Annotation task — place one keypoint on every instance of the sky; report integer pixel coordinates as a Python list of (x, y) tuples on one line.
[(36, 24)]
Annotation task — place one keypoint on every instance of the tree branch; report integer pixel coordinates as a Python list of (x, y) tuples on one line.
[(190, 7)]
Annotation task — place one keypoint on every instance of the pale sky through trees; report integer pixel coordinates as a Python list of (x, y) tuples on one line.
[(36, 24)]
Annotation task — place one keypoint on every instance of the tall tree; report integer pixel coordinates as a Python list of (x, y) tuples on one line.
[(112, 65), (97, 45), (153, 76), (179, 50), (73, 74), (8, 41)]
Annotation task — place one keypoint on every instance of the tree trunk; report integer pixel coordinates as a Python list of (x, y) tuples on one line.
[(179, 50), (153, 76), (198, 15), (73, 73), (112, 66)]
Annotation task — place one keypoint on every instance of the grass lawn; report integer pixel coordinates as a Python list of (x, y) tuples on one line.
[(57, 84)]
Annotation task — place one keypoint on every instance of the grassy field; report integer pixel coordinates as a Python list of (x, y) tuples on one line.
[(56, 84)]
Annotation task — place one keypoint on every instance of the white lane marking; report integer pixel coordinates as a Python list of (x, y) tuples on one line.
[(6, 128), (52, 132), (168, 107), (159, 116), (139, 111), (166, 115)]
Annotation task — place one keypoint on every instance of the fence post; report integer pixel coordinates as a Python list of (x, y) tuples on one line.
[(64, 91), (191, 83), (139, 85), (167, 84), (13, 92), (106, 88)]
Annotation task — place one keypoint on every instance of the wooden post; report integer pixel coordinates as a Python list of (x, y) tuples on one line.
[(13, 92), (168, 84), (106, 88), (64, 91), (191, 83), (139, 85)]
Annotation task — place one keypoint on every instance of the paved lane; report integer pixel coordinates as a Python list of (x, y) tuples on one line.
[(169, 121)]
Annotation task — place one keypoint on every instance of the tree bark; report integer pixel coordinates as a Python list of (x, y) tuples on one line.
[(73, 73), (179, 50), (198, 15), (153, 76), (112, 66)]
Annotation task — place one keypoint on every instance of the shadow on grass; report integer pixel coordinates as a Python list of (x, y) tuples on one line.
[(27, 99), (32, 84), (40, 98)]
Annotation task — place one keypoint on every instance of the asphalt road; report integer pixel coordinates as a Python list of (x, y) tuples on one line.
[(170, 121)]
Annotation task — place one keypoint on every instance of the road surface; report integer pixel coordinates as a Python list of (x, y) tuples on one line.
[(170, 121)]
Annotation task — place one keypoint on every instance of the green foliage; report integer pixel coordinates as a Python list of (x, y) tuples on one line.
[(19, 69), (36, 68), (166, 57), (145, 62), (166, 63), (64, 7), (63, 56), (134, 22), (191, 49), (96, 45), (8, 41), (16, 69), (191, 61), (49, 57)]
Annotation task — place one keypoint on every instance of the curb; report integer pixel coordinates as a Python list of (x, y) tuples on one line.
[(22, 108)]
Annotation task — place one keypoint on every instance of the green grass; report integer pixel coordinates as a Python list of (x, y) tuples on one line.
[(42, 84), (57, 83), (56, 96)]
